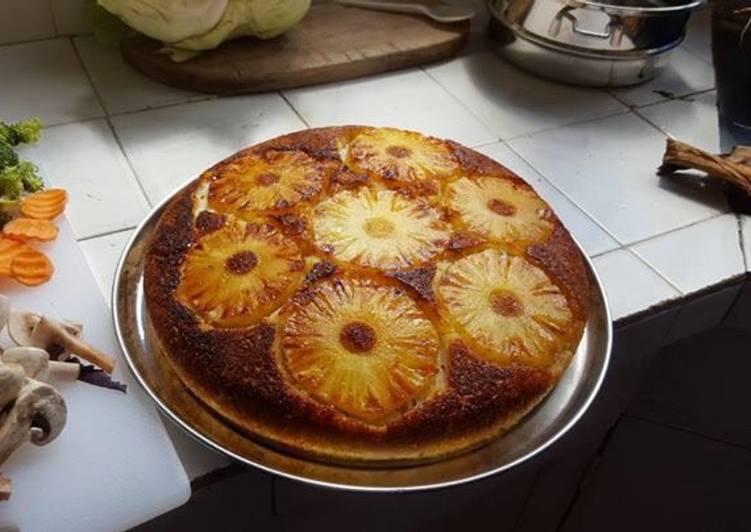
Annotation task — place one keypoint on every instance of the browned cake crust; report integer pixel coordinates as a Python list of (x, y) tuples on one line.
[(239, 372)]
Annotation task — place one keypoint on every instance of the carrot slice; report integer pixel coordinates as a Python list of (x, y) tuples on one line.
[(9, 248), (31, 229), (31, 267), (45, 205)]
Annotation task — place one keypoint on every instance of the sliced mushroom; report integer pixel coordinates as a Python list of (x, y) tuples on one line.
[(11, 381), (38, 415), (4, 311), (34, 361), (50, 332), (21, 326)]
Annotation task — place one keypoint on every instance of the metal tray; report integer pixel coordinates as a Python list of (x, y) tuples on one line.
[(544, 425)]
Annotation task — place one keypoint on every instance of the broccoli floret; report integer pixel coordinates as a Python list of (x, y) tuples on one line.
[(8, 210), (8, 156), (11, 185), (29, 176), (16, 179), (23, 132)]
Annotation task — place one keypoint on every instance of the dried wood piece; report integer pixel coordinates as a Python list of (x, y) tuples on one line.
[(733, 167), (6, 488)]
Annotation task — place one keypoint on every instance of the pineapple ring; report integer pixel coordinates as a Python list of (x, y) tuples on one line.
[(499, 210), (505, 307), (236, 275), (379, 228), (364, 348), (403, 156), (274, 180)]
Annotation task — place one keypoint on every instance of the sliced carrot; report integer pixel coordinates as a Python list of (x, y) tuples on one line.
[(31, 267), (31, 229), (9, 248), (45, 205)]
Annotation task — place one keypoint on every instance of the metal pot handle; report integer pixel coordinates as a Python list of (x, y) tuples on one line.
[(565, 13)]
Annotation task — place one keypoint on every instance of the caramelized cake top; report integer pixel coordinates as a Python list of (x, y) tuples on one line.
[(365, 294)]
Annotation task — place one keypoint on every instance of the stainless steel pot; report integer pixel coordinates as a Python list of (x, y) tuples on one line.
[(594, 43)]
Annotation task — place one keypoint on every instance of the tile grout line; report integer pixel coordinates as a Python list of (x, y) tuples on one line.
[(601, 253), (685, 430), (31, 41), (684, 97), (106, 233), (655, 270), (54, 19), (191, 100), (456, 98), (486, 144), (584, 121), (741, 241), (72, 122), (298, 114), (128, 161), (109, 122), (86, 72), (665, 233), (624, 110)]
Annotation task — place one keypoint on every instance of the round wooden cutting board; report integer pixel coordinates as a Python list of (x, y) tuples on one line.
[(332, 43)]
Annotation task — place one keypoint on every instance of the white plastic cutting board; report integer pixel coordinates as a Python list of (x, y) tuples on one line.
[(113, 466)]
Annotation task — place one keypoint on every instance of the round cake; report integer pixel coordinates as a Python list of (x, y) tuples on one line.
[(365, 295)]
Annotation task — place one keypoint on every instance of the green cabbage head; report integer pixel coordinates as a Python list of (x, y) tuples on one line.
[(168, 20), (187, 26)]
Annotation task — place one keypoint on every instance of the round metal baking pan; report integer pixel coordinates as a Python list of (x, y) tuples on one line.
[(544, 425)]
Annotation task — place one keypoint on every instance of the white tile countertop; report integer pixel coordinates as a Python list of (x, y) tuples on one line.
[(120, 143)]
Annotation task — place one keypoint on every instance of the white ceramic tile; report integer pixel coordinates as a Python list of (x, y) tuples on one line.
[(693, 121), (25, 20), (408, 100), (699, 35), (197, 459), (45, 79), (84, 159), (103, 253), (168, 147), (122, 88), (685, 74), (511, 102), (607, 168), (630, 285), (696, 256), (591, 236), (70, 16)]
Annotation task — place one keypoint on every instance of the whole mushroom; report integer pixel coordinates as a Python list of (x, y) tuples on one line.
[(34, 361), (37, 415), (4, 311), (11, 381)]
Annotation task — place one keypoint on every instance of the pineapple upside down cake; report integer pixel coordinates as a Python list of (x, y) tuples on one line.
[(365, 295)]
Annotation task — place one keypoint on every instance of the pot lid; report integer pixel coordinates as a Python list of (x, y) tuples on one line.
[(650, 6)]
